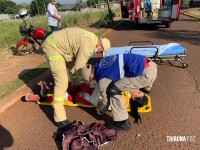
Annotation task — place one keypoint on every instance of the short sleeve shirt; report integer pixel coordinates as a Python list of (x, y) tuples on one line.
[(51, 20)]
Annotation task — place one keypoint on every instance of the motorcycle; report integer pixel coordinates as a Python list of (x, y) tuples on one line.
[(33, 37)]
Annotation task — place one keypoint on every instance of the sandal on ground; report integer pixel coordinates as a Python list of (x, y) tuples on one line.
[(32, 98)]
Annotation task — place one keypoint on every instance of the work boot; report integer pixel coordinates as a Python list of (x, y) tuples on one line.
[(121, 125), (62, 127)]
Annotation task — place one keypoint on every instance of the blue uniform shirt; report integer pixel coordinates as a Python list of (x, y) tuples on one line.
[(119, 66)]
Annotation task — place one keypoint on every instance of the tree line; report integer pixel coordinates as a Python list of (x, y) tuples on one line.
[(40, 6)]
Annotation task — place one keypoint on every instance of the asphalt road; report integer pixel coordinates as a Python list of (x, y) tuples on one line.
[(175, 101)]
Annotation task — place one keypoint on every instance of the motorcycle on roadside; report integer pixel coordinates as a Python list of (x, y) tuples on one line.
[(33, 36)]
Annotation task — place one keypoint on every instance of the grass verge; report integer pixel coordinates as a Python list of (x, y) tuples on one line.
[(14, 85)]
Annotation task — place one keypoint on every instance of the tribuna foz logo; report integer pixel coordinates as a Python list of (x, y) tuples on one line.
[(180, 138)]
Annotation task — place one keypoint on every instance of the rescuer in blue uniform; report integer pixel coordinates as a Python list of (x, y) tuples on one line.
[(122, 72)]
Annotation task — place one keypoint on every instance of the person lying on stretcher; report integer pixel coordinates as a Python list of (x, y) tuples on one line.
[(72, 93), (84, 94)]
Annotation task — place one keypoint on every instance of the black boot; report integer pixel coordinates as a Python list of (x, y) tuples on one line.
[(64, 125), (121, 125)]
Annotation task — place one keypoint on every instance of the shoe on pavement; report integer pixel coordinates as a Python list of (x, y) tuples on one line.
[(121, 125), (31, 97)]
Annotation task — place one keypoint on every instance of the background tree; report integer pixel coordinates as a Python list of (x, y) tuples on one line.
[(33, 8), (101, 1), (58, 5), (39, 6), (4, 4), (91, 3), (80, 4), (16, 8), (9, 10)]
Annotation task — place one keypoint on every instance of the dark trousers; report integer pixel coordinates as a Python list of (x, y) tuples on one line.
[(53, 28)]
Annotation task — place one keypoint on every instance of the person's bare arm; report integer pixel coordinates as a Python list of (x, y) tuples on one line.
[(56, 17)]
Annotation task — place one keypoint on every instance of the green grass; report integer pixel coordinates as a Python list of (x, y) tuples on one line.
[(198, 16), (194, 14), (12, 86), (11, 35)]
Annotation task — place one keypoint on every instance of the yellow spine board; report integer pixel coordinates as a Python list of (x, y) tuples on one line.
[(126, 97)]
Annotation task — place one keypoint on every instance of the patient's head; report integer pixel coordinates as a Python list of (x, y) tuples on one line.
[(139, 97)]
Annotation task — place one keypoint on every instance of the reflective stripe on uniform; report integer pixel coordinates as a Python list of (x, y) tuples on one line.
[(93, 36), (96, 40), (59, 98), (56, 58), (121, 66), (52, 42)]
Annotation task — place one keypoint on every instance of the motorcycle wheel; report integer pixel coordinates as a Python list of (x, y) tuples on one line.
[(25, 49)]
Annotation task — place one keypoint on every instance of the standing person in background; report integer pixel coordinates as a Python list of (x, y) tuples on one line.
[(53, 17), (69, 48)]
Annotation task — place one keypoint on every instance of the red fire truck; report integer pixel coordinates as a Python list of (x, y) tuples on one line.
[(151, 11)]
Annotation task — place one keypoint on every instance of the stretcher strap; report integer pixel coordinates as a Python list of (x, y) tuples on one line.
[(112, 90)]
